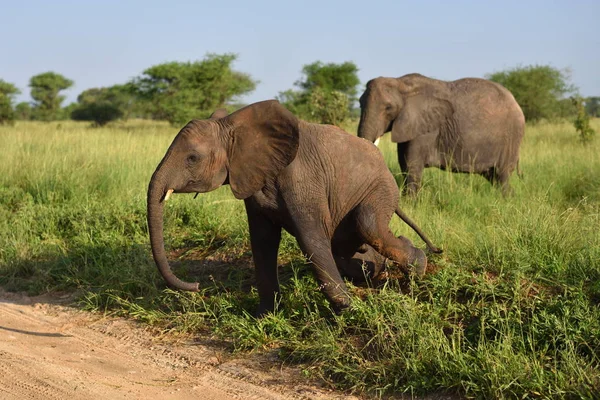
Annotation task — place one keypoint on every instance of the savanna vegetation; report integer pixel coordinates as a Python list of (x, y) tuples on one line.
[(326, 93), (510, 310)]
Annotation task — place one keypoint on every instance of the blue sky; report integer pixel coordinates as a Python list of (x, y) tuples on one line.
[(101, 43)]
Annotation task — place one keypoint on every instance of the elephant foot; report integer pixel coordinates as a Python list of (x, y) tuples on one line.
[(363, 265), (419, 262), (339, 307), (264, 309)]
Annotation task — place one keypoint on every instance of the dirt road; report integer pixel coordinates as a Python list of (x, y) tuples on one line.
[(49, 351)]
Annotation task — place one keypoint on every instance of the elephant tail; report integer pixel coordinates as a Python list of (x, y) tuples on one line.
[(414, 226)]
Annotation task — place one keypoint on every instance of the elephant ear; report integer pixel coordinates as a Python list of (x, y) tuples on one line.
[(264, 141), (219, 113), (421, 113)]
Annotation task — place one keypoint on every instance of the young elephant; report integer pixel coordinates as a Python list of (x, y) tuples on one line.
[(329, 189)]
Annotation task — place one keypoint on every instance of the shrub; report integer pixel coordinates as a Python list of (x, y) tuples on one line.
[(7, 93), (582, 121), (328, 107), (538, 89), (324, 90)]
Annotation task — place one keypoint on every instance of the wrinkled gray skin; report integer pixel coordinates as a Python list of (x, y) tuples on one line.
[(329, 189), (468, 125)]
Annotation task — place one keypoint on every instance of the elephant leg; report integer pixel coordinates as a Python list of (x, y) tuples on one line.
[(403, 162), (499, 177), (374, 228), (264, 241), (503, 178), (316, 246), (411, 165), (413, 179)]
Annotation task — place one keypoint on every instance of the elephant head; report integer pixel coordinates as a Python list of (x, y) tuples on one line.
[(245, 150), (407, 106)]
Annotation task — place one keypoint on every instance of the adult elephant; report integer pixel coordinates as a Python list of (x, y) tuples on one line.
[(292, 175), (468, 125)]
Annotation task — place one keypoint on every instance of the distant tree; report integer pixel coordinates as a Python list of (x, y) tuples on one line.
[(538, 89), (181, 91), (23, 111), (566, 109), (328, 107), (592, 106), (102, 105), (66, 111), (320, 84), (296, 101), (7, 93), (329, 77), (45, 91)]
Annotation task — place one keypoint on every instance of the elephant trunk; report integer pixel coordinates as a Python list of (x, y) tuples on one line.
[(367, 128), (155, 202)]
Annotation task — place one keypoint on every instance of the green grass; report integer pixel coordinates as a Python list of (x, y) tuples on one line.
[(511, 311)]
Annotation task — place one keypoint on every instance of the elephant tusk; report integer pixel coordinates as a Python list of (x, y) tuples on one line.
[(168, 194), (377, 141)]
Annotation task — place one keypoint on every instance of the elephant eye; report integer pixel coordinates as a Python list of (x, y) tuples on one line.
[(193, 158), (388, 107)]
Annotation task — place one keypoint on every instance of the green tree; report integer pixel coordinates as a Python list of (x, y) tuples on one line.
[(45, 91), (321, 86), (296, 101), (592, 106), (329, 77), (538, 89), (99, 105), (328, 107), (180, 91), (23, 111), (102, 105), (7, 93)]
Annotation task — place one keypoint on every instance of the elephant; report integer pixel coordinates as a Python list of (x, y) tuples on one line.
[(467, 125), (329, 189)]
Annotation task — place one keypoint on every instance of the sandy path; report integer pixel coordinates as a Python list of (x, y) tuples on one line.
[(48, 351)]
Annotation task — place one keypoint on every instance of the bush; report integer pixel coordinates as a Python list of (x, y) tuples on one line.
[(324, 90), (328, 107), (582, 121), (99, 113), (102, 105), (7, 93), (592, 106), (538, 89), (23, 111)]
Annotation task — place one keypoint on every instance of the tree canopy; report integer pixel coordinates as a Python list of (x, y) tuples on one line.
[(23, 111), (329, 77), (7, 93), (180, 91), (541, 90), (45, 91), (592, 106), (101, 105), (327, 92)]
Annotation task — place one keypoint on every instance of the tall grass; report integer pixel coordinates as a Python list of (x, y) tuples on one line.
[(510, 310)]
